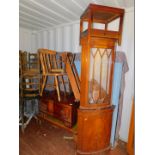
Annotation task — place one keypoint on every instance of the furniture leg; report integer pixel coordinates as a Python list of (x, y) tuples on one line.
[(57, 88), (43, 84)]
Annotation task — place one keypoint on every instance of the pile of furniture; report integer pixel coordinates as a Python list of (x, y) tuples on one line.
[(56, 73), (29, 87), (93, 91)]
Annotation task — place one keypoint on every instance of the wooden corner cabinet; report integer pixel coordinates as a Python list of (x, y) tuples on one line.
[(100, 31)]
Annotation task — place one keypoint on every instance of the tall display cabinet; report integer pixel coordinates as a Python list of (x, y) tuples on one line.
[(98, 40)]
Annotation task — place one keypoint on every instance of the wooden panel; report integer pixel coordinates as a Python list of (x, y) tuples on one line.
[(130, 145), (72, 80), (94, 129), (105, 34), (97, 42), (84, 75), (95, 33), (65, 110)]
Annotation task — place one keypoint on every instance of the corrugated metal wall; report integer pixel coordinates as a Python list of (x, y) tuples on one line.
[(66, 38)]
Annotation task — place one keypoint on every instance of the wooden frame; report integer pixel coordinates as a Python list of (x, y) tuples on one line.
[(89, 16), (94, 38), (95, 120), (50, 68)]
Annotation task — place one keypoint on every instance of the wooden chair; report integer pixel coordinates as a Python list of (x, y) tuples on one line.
[(23, 61), (34, 63), (29, 90), (52, 67)]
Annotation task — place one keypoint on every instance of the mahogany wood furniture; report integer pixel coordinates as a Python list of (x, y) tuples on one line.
[(50, 68), (97, 66), (131, 143), (65, 110)]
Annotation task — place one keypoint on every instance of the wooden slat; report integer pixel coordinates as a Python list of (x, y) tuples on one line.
[(72, 80), (130, 144)]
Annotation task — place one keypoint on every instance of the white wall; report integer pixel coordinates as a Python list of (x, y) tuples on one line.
[(25, 39), (66, 38), (61, 38), (128, 48)]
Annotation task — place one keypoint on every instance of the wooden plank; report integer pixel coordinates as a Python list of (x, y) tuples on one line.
[(130, 144), (72, 80)]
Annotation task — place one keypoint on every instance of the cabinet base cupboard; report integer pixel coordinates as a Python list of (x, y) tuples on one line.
[(94, 129)]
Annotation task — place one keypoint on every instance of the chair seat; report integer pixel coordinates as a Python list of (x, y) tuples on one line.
[(56, 73), (31, 72), (57, 70), (32, 96)]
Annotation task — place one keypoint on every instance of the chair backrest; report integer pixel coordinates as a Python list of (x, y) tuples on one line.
[(62, 59), (29, 80), (30, 86), (29, 62), (48, 60), (23, 61), (33, 59), (20, 62)]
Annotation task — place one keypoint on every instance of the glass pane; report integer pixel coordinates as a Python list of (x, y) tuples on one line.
[(114, 25), (85, 26), (99, 75), (98, 26)]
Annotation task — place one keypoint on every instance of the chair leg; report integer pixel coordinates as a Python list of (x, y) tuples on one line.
[(57, 88), (43, 85), (29, 116), (22, 115)]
